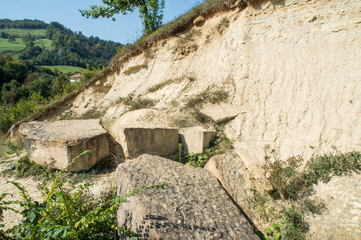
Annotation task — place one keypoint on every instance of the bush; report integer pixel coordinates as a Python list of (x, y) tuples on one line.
[(66, 212), (10, 114), (295, 188)]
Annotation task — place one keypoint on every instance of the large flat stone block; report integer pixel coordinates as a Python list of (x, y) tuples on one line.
[(192, 206), (194, 140), (137, 140), (55, 144)]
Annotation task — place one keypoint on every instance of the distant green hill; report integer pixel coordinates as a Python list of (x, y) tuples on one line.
[(53, 44)]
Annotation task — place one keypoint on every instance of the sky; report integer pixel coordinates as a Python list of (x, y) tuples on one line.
[(126, 29)]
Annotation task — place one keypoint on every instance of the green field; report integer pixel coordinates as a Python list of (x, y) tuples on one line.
[(65, 69), (21, 32), (6, 46), (44, 43), (18, 45)]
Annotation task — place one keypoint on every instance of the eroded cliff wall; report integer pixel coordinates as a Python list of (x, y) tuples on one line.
[(292, 69)]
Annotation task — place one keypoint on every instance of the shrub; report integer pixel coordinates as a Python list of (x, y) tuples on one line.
[(295, 188), (10, 114), (66, 212)]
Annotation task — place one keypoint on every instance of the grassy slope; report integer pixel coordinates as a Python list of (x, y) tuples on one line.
[(18, 45), (21, 32), (65, 69), (6, 46)]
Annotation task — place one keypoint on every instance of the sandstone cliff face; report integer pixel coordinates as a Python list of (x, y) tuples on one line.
[(292, 68)]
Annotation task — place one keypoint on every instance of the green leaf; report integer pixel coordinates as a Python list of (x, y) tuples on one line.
[(268, 230), (277, 235)]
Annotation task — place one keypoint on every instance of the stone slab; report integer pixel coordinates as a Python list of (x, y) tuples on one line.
[(136, 141), (232, 173), (55, 144), (192, 206), (194, 140)]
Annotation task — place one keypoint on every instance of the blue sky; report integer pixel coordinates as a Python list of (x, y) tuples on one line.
[(126, 29)]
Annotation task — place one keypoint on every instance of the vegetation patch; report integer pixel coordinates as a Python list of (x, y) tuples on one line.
[(207, 96), (66, 212), (161, 85), (138, 102), (219, 145), (182, 23), (293, 199), (64, 68), (186, 45), (222, 25)]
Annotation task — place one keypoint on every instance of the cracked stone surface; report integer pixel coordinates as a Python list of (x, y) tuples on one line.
[(192, 206)]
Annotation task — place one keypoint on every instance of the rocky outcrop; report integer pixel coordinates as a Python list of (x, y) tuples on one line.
[(291, 65), (55, 144), (192, 206)]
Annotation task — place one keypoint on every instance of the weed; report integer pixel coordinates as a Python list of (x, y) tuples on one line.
[(207, 96), (160, 85), (186, 44), (135, 103), (8, 147), (222, 25), (295, 188), (201, 117), (150, 54), (174, 103), (24, 168), (192, 78), (292, 184), (66, 213), (219, 145), (197, 161)]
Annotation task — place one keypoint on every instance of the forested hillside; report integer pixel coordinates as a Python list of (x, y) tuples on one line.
[(36, 60), (53, 44)]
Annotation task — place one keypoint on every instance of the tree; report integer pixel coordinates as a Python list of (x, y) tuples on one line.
[(151, 11), (11, 39)]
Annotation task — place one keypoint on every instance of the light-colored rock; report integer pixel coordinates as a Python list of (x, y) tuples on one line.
[(234, 176), (342, 220), (144, 131), (195, 139), (253, 168), (199, 21), (192, 206), (221, 113), (150, 118), (138, 140), (25, 129), (55, 144)]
